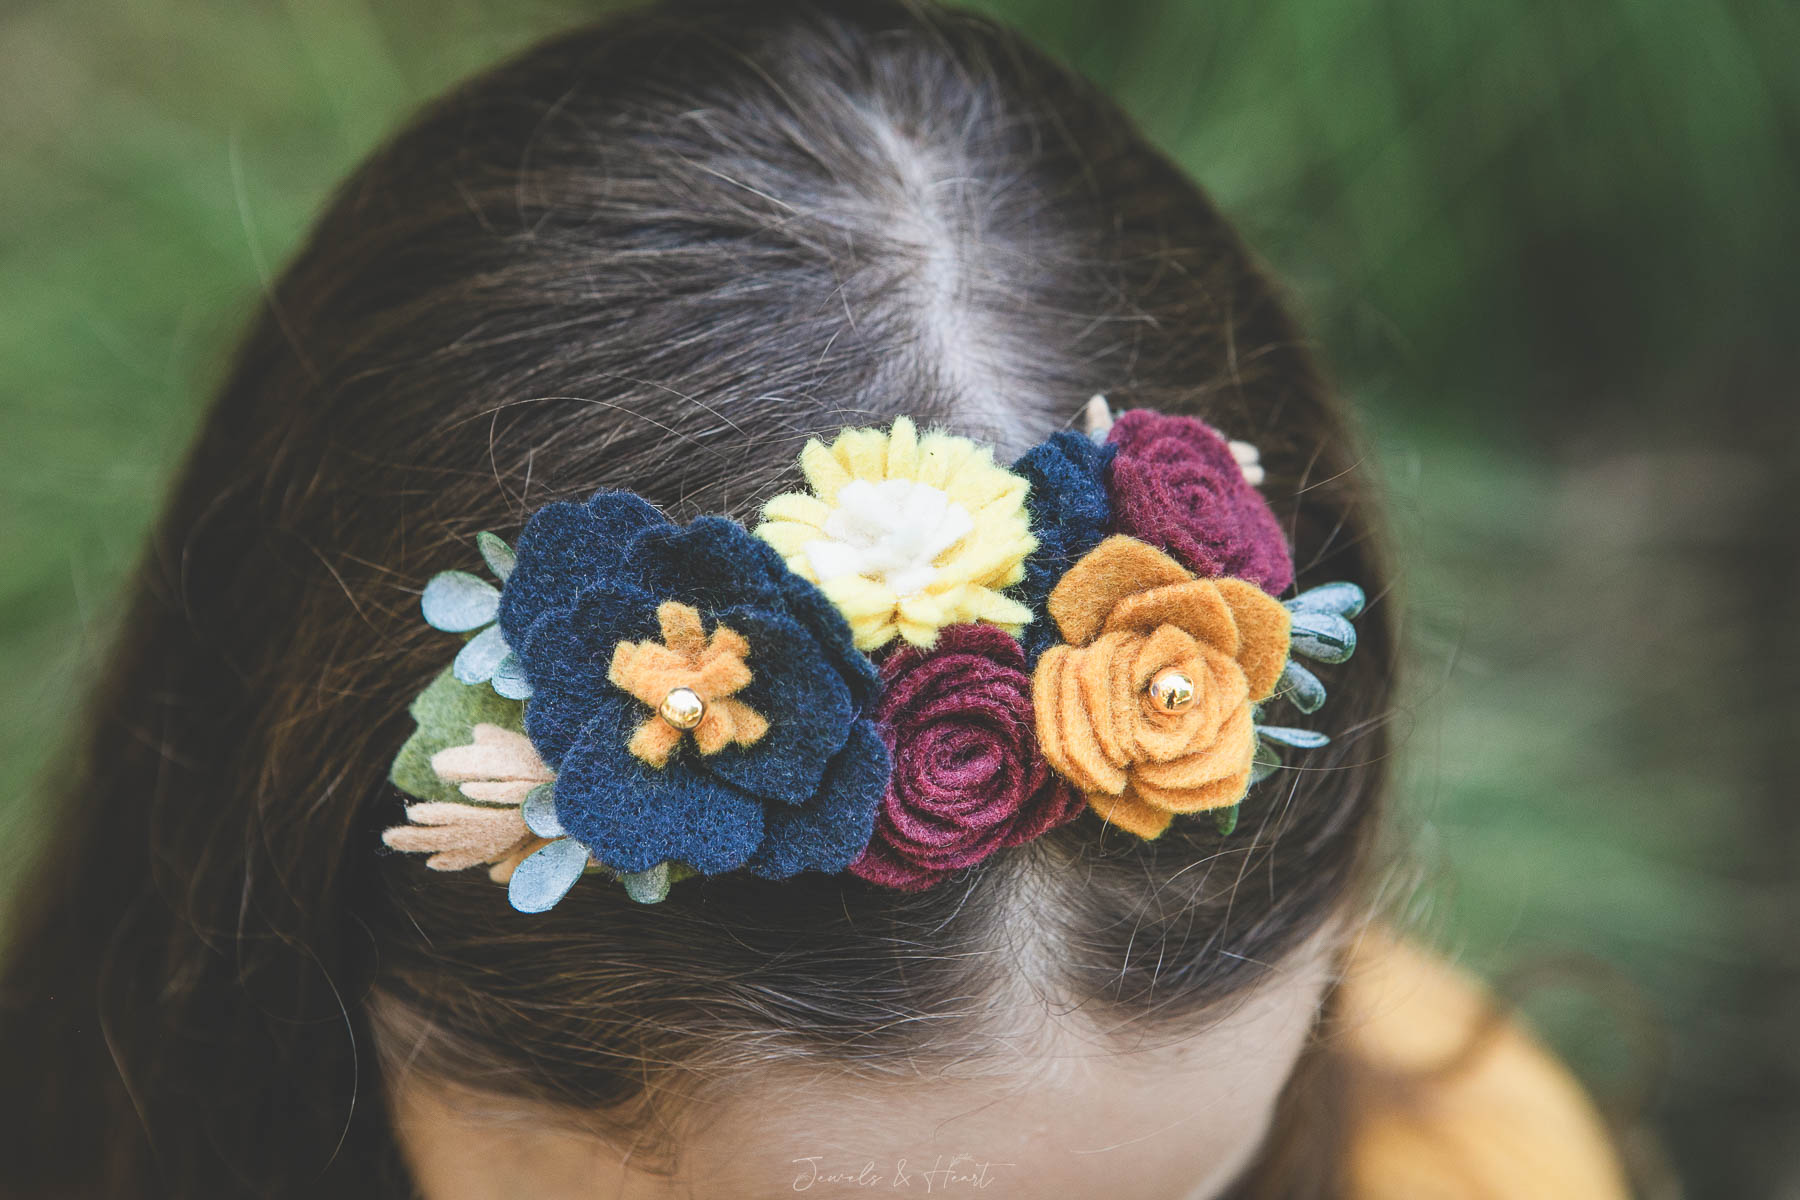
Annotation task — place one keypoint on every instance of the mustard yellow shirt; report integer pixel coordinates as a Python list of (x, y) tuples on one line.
[(1509, 1123)]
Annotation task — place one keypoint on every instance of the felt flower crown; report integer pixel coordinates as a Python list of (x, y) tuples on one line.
[(921, 659)]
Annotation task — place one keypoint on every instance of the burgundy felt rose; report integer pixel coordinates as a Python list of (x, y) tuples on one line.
[(968, 777), (1175, 484)]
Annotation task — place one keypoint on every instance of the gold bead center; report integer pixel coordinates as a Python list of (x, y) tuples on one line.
[(1172, 691), (683, 708)]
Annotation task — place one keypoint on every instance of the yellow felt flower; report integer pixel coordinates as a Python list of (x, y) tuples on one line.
[(906, 534)]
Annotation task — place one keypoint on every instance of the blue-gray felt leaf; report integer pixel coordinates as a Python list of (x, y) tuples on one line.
[(647, 887), (1302, 687), (456, 602), (476, 661), (546, 877), (1265, 763), (1305, 739), (509, 679), (540, 811), (1324, 636), (1339, 599)]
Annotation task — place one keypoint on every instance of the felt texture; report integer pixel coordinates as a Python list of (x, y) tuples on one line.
[(459, 602), (456, 602), (497, 766), (445, 715), (687, 657), (1175, 483), (1069, 512), (473, 768), (1249, 461), (590, 578), (545, 876), (906, 534), (968, 778), (1127, 613), (459, 836), (1343, 599)]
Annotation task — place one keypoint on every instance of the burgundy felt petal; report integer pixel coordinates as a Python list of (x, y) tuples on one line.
[(1175, 484), (968, 777)]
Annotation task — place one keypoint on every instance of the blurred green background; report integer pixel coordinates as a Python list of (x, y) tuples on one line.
[(1551, 249)]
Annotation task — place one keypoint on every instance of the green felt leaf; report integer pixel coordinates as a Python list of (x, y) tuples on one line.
[(1326, 637), (1338, 599), (446, 714), (1302, 687), (647, 887), (1265, 762), (1305, 739), (1227, 819)]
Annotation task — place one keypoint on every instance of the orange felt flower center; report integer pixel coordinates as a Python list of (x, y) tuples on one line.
[(688, 680), (1147, 706)]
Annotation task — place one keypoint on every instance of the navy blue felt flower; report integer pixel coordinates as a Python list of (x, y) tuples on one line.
[(1069, 513), (801, 795)]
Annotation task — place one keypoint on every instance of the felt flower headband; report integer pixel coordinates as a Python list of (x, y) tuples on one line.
[(922, 658)]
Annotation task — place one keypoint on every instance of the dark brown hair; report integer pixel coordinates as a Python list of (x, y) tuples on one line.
[(654, 254)]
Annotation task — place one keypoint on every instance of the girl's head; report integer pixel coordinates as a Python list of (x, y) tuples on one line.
[(658, 255)]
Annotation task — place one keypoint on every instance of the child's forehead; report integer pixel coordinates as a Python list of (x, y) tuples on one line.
[(1072, 1115)]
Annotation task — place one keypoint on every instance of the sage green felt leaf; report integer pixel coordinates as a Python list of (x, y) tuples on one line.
[(1305, 739), (1302, 687), (1227, 818), (497, 554), (647, 887), (446, 714), (1326, 637), (1265, 763), (1338, 599)]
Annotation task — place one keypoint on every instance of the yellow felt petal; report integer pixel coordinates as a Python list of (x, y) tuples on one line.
[(858, 597), (801, 508), (824, 471), (790, 539), (902, 450), (863, 452)]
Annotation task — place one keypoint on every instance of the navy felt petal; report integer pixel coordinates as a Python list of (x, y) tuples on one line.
[(712, 563), (829, 629), (801, 695), (557, 555), (830, 831), (566, 655), (1069, 512), (633, 816)]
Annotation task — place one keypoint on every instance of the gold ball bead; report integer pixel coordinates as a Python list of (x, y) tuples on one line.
[(683, 708), (1172, 691)]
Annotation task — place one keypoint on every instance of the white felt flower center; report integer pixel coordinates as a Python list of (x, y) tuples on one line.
[(892, 531)]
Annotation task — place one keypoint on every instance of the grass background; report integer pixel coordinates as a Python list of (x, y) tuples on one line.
[(1550, 248)]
